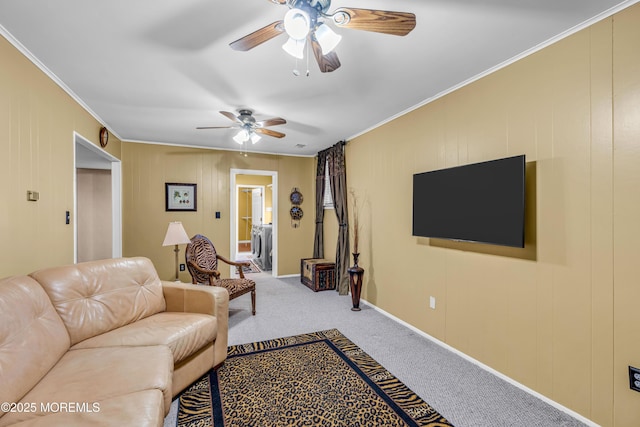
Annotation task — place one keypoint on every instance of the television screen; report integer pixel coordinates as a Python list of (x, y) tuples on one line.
[(480, 202)]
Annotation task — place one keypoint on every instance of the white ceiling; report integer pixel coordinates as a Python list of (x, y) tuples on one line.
[(154, 70)]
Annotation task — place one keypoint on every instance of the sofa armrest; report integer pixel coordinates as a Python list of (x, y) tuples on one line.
[(213, 300)]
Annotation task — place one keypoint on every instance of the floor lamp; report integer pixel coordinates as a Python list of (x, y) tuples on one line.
[(176, 236)]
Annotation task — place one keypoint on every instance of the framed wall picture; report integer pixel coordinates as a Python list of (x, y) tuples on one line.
[(180, 197)]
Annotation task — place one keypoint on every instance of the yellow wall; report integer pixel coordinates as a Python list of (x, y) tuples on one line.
[(147, 167), (37, 121), (566, 320), (625, 294)]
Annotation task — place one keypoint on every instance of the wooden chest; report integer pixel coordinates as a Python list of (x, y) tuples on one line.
[(318, 274)]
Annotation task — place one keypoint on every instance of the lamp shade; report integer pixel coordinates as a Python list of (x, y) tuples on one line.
[(294, 47), (297, 23), (175, 235), (327, 38), (242, 136)]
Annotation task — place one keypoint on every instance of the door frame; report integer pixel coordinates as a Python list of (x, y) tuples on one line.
[(99, 159), (233, 213)]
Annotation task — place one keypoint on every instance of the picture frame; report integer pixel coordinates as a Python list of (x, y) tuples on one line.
[(180, 197)]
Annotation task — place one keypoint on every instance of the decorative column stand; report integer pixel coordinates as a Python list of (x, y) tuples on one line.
[(355, 281)]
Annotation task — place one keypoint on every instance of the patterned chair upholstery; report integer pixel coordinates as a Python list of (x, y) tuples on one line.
[(202, 262)]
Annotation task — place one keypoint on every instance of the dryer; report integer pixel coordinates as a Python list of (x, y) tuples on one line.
[(263, 241), (267, 240)]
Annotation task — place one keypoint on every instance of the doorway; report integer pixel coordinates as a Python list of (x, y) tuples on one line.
[(97, 209), (253, 201)]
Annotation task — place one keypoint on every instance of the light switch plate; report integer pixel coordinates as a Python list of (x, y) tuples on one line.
[(634, 378)]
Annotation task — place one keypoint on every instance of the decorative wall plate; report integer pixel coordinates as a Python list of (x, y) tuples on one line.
[(296, 213), (296, 197)]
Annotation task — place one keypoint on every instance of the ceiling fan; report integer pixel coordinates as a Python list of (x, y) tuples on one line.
[(306, 21), (249, 127)]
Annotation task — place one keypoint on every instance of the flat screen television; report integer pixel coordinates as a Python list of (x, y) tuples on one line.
[(481, 202)]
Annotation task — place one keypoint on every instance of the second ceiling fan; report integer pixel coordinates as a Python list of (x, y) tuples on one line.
[(307, 22), (248, 127)]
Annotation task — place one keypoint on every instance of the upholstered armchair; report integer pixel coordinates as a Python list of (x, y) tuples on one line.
[(202, 262)]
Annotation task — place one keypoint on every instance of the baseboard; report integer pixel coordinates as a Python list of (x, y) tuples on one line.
[(489, 369), (285, 276)]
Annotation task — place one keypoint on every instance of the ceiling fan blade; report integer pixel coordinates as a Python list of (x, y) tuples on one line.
[(214, 127), (379, 21), (230, 116), (271, 122), (258, 37), (328, 62), (269, 132)]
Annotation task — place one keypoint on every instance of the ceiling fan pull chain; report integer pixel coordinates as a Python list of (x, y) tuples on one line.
[(295, 68)]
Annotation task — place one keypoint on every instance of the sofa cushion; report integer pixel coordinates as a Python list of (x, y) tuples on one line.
[(32, 337), (183, 333), (89, 376), (98, 296), (142, 409)]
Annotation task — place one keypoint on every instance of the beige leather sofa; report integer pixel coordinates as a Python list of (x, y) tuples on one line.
[(104, 343)]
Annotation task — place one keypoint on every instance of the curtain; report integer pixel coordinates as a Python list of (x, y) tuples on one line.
[(338, 184), (318, 242)]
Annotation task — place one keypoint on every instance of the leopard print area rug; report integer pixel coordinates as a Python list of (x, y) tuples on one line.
[(316, 379)]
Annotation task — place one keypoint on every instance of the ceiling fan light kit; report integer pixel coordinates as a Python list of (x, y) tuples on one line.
[(246, 135), (242, 136), (298, 24)]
